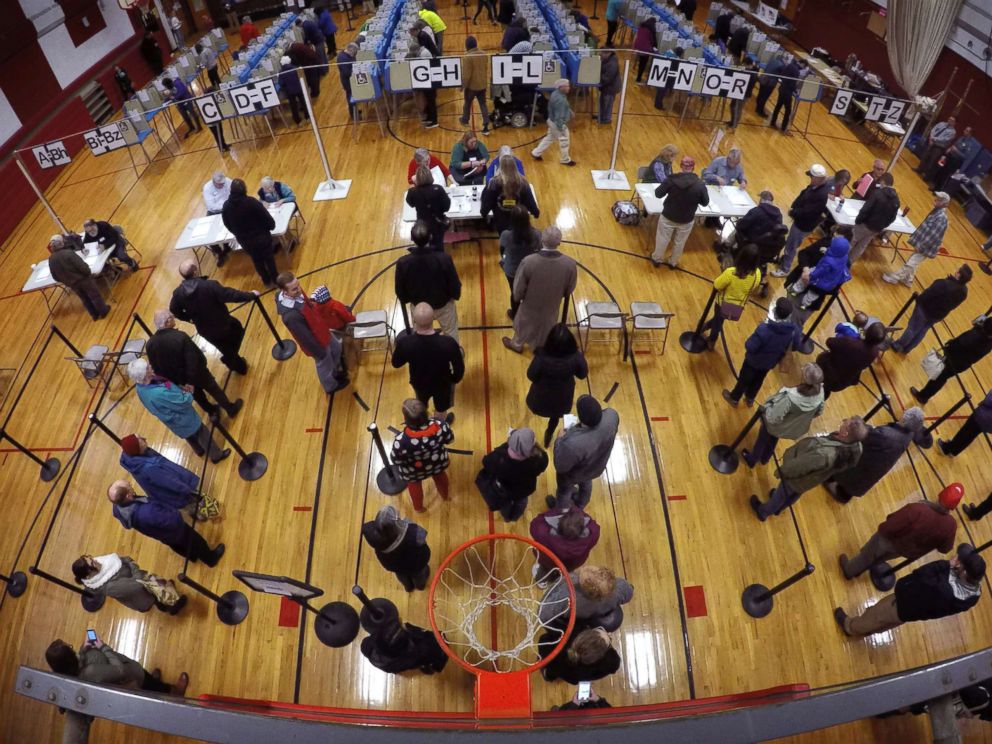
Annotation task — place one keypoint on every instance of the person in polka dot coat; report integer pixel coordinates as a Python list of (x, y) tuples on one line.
[(419, 451)]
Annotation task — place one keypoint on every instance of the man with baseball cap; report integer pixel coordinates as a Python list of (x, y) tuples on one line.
[(559, 114), (806, 212), (684, 193), (934, 590), (910, 532)]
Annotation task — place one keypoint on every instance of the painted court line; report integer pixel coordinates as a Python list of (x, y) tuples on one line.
[(695, 601)]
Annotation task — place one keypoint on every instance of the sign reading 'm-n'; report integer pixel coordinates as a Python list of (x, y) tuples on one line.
[(672, 74), (441, 72)]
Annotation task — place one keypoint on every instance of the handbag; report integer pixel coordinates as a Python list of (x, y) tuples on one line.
[(207, 508), (162, 589), (492, 491), (933, 364), (733, 311)]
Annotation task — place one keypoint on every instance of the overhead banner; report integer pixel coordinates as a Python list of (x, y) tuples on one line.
[(231, 102), (675, 74), (51, 154), (441, 72), (672, 74), (104, 139), (880, 108), (518, 69)]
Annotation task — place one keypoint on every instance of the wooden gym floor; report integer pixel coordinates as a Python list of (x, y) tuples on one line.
[(680, 533)]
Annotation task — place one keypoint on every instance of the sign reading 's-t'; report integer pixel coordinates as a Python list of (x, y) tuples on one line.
[(440, 72)]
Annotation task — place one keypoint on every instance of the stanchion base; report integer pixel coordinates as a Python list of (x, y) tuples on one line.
[(693, 342), (330, 190), (233, 609), (723, 459), (18, 584), (50, 469), (336, 624), (754, 603), (253, 467), (92, 602), (986, 267), (882, 576), (389, 482), (805, 346), (381, 612), (282, 352), (606, 180)]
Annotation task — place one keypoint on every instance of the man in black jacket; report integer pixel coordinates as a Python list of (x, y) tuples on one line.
[(203, 302), (759, 221), (960, 353), (427, 275), (877, 213), (107, 235), (805, 212), (684, 193), (787, 86), (934, 590), (175, 356), (252, 224), (435, 360), (72, 272), (933, 305)]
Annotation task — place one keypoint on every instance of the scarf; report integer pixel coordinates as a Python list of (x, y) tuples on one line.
[(962, 589), (110, 564)]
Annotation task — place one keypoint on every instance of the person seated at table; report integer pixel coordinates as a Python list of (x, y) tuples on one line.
[(109, 236), (469, 158), (661, 167), (216, 191), (494, 163), (507, 189), (71, 271), (249, 31), (431, 203), (877, 169), (423, 156), (961, 152), (725, 170), (275, 192)]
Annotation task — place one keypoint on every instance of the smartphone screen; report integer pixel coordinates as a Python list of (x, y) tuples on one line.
[(91, 635), (585, 688)]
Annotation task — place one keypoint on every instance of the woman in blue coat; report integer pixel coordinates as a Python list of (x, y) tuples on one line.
[(763, 350)]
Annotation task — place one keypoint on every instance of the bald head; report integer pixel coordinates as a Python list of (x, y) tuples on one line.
[(423, 317), (120, 492), (164, 319), (189, 269)]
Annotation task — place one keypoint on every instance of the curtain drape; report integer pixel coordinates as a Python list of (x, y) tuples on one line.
[(915, 34)]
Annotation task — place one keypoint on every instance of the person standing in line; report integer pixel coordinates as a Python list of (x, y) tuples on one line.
[(688, 8), (419, 451), (176, 24), (684, 193), (925, 241), (582, 452), (303, 55), (938, 140), (395, 647), (118, 576), (543, 281), (313, 36), (934, 590), (974, 512), (506, 11), (160, 522), (750, 68), (979, 422), (587, 656), (787, 414), (252, 225), (811, 461), (429, 276), (517, 242), (346, 59), (178, 92), (436, 362), (767, 82), (176, 357), (559, 114), (401, 547), (507, 189), (569, 533), (763, 350), (958, 157), (152, 53), (292, 88), (206, 58), (613, 10), (599, 594), (162, 480), (806, 211), (490, 7), (787, 87), (934, 304), (552, 374), (880, 451), (310, 323), (960, 353), (734, 286), (98, 663), (328, 28), (509, 474), (847, 357), (173, 406), (70, 270), (609, 83), (123, 81), (910, 533), (431, 203), (203, 302), (645, 44), (438, 26), (878, 212), (475, 76)]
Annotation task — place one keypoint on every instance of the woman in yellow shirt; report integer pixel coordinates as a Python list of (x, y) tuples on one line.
[(733, 287)]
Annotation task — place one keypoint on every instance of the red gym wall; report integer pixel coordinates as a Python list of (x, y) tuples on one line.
[(45, 109), (841, 27)]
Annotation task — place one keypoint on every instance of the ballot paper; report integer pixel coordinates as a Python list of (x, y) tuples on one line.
[(439, 178), (737, 197), (201, 229)]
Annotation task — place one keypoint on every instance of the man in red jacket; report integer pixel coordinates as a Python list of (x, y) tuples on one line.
[(567, 532), (909, 532)]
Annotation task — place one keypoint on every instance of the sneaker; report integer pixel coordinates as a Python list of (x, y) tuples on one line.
[(729, 398), (431, 125), (779, 272), (755, 503), (486, 132), (570, 163), (508, 343), (890, 278), (841, 617)]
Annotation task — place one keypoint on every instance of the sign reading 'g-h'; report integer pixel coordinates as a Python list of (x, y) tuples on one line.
[(443, 72), (518, 69)]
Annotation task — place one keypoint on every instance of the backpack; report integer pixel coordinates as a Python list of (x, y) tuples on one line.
[(626, 213)]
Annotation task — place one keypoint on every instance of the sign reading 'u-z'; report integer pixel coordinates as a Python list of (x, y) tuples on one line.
[(675, 74)]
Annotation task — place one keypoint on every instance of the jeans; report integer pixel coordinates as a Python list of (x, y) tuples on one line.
[(430, 106), (783, 102), (965, 436), (764, 93), (479, 95), (555, 133), (916, 331), (763, 447), (714, 325), (190, 117), (908, 272), (748, 382), (782, 498), (792, 243), (329, 367), (203, 444), (606, 107), (736, 110), (663, 235), (89, 294), (570, 493)]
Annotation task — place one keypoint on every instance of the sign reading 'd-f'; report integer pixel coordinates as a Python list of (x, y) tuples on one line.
[(51, 154), (518, 69), (255, 96), (444, 72), (672, 73)]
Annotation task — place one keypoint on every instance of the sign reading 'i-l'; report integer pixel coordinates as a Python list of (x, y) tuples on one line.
[(443, 72), (517, 69)]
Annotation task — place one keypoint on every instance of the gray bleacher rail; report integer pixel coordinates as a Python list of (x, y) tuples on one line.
[(222, 722)]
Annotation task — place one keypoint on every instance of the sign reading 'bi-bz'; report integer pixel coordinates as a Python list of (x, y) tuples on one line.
[(442, 72), (712, 81)]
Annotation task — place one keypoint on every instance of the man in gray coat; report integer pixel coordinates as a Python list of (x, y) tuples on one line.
[(809, 462), (544, 280), (582, 452)]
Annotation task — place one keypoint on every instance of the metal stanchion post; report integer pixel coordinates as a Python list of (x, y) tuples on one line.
[(723, 457), (232, 606), (693, 341), (595, 5), (612, 179), (950, 412), (336, 624), (904, 308), (91, 602), (375, 612), (65, 339), (883, 402), (104, 428), (806, 344), (143, 324), (253, 464), (758, 599), (49, 468), (388, 479), (328, 188), (284, 348), (17, 583)]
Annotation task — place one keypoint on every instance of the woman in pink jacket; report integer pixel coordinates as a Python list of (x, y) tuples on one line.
[(644, 44), (568, 532)]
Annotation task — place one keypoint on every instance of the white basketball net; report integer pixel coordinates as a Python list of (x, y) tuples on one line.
[(492, 580)]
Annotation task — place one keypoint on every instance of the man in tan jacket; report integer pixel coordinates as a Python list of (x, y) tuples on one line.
[(475, 78)]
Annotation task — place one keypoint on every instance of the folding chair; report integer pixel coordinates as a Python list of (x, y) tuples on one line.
[(371, 325), (603, 316), (131, 350), (648, 317), (92, 364)]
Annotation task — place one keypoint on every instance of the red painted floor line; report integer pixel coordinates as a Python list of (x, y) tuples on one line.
[(956, 417), (486, 399), (677, 497), (695, 601), (316, 430), (660, 418), (41, 450), (289, 613), (302, 508)]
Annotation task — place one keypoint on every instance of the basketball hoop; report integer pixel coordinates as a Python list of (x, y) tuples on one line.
[(499, 573)]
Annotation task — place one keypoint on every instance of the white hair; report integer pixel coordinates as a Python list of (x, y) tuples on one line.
[(137, 370), (161, 318), (285, 61), (943, 198), (505, 150), (551, 237), (218, 176), (56, 240), (561, 82), (267, 182), (422, 155)]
